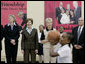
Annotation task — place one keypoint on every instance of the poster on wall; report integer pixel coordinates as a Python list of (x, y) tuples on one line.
[(13, 8), (63, 13)]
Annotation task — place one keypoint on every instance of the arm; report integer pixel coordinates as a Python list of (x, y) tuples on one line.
[(36, 40), (22, 41), (52, 53)]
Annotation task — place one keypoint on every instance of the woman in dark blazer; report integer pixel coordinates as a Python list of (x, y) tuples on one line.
[(11, 31), (29, 44), (1, 35)]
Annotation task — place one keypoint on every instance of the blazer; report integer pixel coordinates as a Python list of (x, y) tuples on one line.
[(81, 38), (11, 34), (29, 41), (58, 11)]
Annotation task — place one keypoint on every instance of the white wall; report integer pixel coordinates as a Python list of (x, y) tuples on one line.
[(35, 10)]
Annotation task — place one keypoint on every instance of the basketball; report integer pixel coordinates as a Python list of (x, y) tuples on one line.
[(53, 37)]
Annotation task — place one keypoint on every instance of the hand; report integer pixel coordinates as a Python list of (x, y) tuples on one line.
[(36, 51), (13, 42), (78, 46), (71, 22), (21, 31), (22, 51)]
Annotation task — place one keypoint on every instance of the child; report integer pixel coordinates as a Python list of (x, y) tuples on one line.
[(64, 52)]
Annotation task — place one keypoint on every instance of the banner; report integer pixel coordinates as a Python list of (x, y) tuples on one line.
[(12, 7), (63, 13)]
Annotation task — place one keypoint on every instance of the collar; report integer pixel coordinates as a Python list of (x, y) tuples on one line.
[(81, 26), (9, 24), (48, 30), (28, 28)]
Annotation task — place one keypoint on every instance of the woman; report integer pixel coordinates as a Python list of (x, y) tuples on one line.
[(29, 44), (41, 37), (46, 44), (11, 31), (72, 17)]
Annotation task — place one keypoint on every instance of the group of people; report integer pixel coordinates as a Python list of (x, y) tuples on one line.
[(68, 15), (35, 42)]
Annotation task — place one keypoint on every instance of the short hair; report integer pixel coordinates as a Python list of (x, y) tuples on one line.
[(41, 25), (11, 15), (29, 19), (20, 13), (49, 20), (69, 36), (62, 27)]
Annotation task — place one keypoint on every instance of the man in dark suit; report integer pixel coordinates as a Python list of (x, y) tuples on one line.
[(77, 11), (1, 35), (29, 44), (22, 16), (58, 10), (78, 43)]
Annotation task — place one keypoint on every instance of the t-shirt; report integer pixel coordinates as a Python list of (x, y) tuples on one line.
[(64, 54)]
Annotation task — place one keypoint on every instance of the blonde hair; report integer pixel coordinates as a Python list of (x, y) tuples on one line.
[(12, 17), (49, 20)]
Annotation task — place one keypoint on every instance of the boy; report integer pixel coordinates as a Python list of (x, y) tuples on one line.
[(64, 52)]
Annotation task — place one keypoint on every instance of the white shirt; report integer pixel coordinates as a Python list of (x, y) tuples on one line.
[(47, 45), (39, 36), (65, 19), (81, 29), (64, 54)]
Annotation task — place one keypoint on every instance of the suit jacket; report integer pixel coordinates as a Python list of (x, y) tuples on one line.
[(1, 35), (58, 11), (24, 19), (29, 41), (11, 34), (81, 38), (77, 14)]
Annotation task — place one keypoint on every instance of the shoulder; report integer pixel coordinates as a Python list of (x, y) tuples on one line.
[(75, 28)]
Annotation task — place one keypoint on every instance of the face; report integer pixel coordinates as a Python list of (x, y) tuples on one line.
[(68, 6), (64, 39), (29, 24), (81, 22), (61, 4), (11, 19), (75, 4), (61, 29), (41, 28), (67, 12), (49, 25), (71, 12), (20, 16)]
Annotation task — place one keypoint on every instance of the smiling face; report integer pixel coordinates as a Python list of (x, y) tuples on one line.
[(11, 19), (29, 24)]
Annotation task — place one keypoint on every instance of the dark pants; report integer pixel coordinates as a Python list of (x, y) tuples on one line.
[(26, 56), (11, 53), (78, 56)]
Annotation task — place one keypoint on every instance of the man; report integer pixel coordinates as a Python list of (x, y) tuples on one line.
[(58, 10), (22, 16), (78, 43), (77, 11)]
